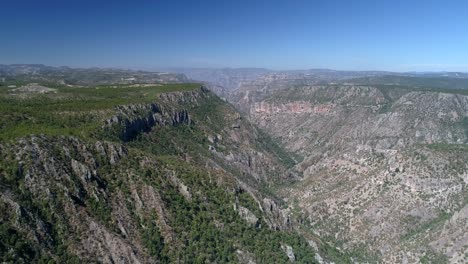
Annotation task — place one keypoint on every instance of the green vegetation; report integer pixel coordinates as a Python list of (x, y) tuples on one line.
[(448, 147), (203, 229), (426, 226), (71, 111), (10, 238), (267, 143), (397, 90), (465, 126), (153, 240), (442, 84), (46, 75), (358, 254), (15, 246), (208, 228), (432, 258)]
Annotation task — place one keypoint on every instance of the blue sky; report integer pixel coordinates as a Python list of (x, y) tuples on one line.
[(409, 35)]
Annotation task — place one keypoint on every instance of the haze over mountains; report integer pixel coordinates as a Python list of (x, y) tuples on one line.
[(382, 155), (311, 166), (242, 131), (230, 78), (226, 79)]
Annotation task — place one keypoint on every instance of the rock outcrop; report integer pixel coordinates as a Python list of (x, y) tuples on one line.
[(155, 184), (379, 165), (141, 118)]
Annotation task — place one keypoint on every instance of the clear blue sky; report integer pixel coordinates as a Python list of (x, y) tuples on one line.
[(355, 35)]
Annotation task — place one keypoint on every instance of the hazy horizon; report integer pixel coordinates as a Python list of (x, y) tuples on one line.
[(245, 131), (364, 35), (176, 69)]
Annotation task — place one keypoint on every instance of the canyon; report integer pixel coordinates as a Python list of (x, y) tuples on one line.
[(383, 167), (299, 167)]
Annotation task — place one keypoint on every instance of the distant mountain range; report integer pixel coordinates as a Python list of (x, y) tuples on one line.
[(24, 73), (235, 78), (306, 166), (223, 78)]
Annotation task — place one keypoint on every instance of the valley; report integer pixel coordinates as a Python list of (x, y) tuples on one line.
[(275, 167), (383, 166), (250, 132), (165, 173)]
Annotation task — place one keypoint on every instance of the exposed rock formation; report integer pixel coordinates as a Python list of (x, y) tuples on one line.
[(382, 166), (146, 189)]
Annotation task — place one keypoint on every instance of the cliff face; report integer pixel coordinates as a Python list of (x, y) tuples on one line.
[(384, 168), (183, 177), (142, 118), (180, 179), (370, 118), (294, 107), (64, 200)]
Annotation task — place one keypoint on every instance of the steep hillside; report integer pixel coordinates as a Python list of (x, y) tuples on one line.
[(385, 171), (123, 174)]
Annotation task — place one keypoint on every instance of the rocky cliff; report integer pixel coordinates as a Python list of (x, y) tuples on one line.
[(385, 171), (181, 179)]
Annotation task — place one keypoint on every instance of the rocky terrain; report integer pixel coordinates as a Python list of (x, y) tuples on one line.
[(384, 167), (228, 81), (179, 176), (33, 88), (299, 166)]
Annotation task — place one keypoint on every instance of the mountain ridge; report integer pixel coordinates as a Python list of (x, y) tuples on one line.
[(180, 178)]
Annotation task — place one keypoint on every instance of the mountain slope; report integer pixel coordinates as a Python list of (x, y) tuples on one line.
[(142, 175), (384, 167)]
